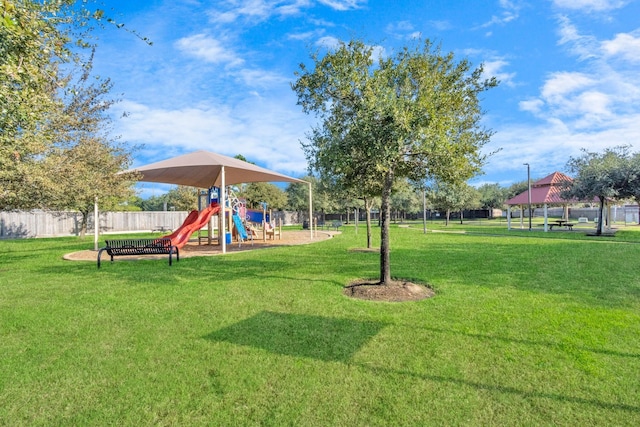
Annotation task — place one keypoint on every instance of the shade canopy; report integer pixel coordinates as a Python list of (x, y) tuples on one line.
[(548, 190), (203, 169)]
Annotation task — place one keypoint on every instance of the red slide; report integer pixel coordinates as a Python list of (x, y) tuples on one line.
[(194, 222)]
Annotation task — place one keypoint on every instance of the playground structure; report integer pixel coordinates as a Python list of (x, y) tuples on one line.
[(204, 169), (194, 222), (240, 224)]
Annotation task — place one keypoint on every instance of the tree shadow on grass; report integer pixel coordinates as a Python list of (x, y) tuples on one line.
[(316, 337)]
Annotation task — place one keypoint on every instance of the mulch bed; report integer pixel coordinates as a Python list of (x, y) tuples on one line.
[(396, 291)]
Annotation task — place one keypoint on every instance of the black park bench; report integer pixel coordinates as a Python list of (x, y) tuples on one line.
[(130, 247)]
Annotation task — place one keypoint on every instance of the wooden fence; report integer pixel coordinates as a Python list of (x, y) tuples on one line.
[(29, 224)]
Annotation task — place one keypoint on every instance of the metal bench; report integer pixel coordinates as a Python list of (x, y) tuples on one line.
[(336, 225), (132, 247)]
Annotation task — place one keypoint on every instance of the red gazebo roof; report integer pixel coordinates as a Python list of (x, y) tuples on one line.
[(546, 190)]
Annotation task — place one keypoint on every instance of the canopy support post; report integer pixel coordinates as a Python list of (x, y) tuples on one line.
[(223, 207), (96, 224), (310, 213)]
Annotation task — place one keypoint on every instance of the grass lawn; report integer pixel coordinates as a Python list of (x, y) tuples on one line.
[(526, 328)]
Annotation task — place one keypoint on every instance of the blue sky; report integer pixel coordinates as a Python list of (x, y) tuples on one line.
[(218, 74)]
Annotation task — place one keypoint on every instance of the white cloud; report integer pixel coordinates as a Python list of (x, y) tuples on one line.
[(531, 105), (209, 49), (549, 146), (493, 68), (594, 107), (562, 83), (625, 46), (510, 12), (262, 10), (264, 131), (583, 46), (493, 65), (328, 42), (343, 5), (258, 10), (308, 35), (261, 78), (403, 29), (590, 5)]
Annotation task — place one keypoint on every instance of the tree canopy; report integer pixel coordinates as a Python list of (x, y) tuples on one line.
[(604, 176), (52, 112), (415, 114)]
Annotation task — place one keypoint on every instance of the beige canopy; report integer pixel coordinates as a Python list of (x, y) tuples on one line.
[(204, 169)]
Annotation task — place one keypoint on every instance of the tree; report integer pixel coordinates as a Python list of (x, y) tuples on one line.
[(634, 179), (42, 45), (404, 199), (83, 161), (516, 188), (298, 196), (411, 115), (452, 197), (492, 196), (600, 175), (259, 192)]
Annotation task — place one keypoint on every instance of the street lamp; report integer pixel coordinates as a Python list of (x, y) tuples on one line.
[(529, 191)]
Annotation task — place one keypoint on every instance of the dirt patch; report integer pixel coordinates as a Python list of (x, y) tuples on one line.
[(396, 291), (374, 250)]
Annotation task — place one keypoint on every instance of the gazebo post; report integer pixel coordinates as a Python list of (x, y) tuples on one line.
[(508, 217), (546, 217), (521, 217)]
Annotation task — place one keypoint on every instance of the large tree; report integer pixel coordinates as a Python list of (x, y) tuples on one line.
[(298, 197), (634, 181), (415, 114), (83, 160), (265, 192), (43, 45), (605, 176), (492, 196), (453, 197)]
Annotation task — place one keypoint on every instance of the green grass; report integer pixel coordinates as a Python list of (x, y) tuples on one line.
[(525, 329)]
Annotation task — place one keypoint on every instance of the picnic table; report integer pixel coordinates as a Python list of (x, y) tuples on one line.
[(561, 223)]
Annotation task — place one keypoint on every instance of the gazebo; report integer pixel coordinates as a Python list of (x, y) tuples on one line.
[(547, 191)]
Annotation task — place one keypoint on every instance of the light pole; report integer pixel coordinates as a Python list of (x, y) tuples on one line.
[(529, 191)]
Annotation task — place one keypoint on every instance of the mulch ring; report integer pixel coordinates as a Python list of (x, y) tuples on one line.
[(396, 291)]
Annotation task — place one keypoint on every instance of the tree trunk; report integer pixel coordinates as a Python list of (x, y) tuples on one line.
[(600, 212), (83, 224), (385, 212), (367, 206), (461, 217), (446, 219)]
